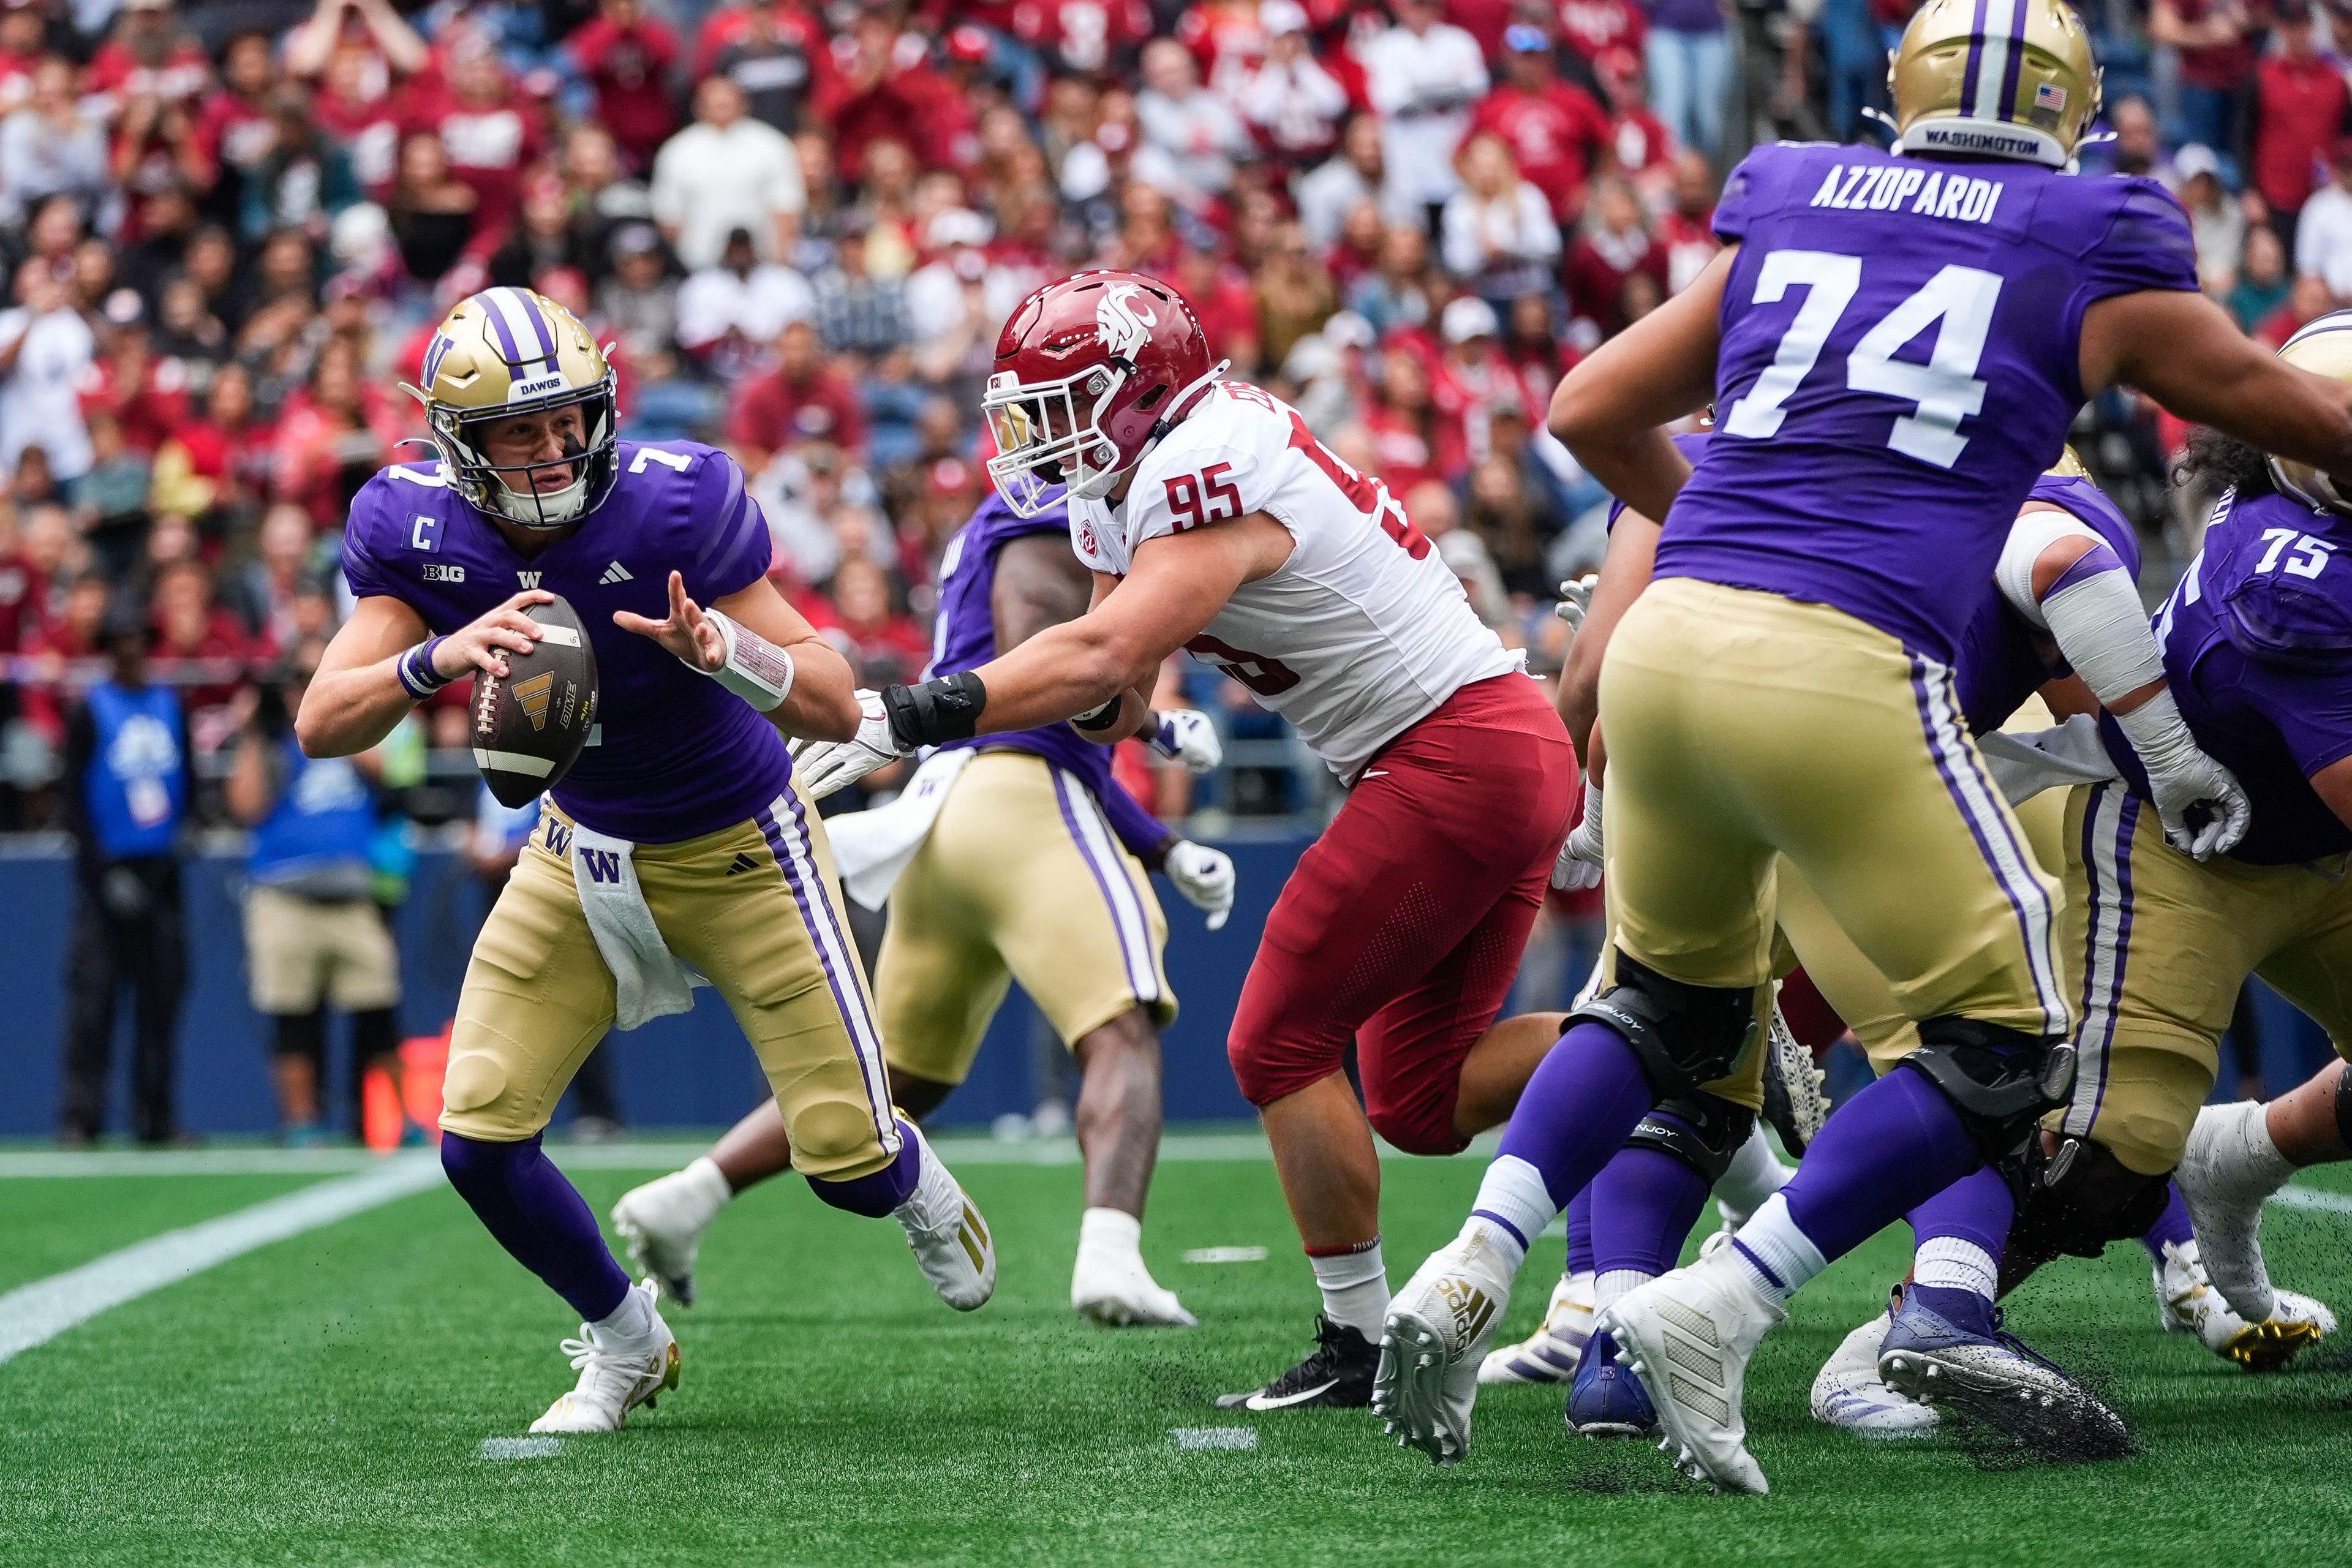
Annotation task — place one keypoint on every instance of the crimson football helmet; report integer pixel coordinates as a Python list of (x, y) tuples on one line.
[(1089, 372)]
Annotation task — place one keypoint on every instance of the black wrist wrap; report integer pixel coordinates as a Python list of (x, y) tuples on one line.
[(948, 709)]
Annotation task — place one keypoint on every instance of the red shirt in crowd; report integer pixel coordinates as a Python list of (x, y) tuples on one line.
[(903, 99), (2223, 67), (184, 74), (368, 128), (1411, 451), (150, 411), (629, 68), (16, 79), (1598, 267), (775, 413), (1556, 135), (234, 130), (2299, 109), (489, 145), (22, 592), (1640, 141), (1485, 20), (1592, 27)]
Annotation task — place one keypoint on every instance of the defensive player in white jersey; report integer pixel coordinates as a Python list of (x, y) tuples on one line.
[(1214, 522)]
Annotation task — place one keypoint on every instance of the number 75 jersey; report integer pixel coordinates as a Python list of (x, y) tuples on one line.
[(1900, 360), (1361, 632)]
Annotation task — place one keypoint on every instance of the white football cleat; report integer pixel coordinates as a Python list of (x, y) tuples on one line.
[(1111, 1283), (615, 1377), (1551, 1354), (2225, 1198), (1688, 1336), (2187, 1303), (663, 1223), (1435, 1341), (1848, 1392), (951, 1239)]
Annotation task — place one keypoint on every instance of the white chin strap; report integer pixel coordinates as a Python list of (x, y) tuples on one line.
[(544, 509)]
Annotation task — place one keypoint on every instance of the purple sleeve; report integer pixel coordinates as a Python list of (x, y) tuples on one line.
[(732, 545), (2311, 711), (1144, 835), (1742, 193), (362, 567), (2143, 244)]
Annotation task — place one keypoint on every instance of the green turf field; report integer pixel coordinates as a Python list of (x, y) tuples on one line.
[(325, 1399)]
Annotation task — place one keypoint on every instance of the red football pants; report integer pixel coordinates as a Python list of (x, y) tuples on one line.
[(1403, 925)]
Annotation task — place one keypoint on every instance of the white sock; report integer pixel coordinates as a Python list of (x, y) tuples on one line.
[(632, 1322), (1948, 1263), (1778, 1257), (1355, 1287), (1754, 1174), (1514, 1205), (1615, 1282), (1109, 1236), (2249, 1160), (707, 1185)]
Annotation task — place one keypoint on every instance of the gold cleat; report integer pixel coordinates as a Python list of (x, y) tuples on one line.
[(2268, 1347)]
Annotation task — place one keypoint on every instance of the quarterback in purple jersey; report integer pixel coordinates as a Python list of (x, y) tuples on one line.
[(1894, 343), (1010, 857), (678, 839)]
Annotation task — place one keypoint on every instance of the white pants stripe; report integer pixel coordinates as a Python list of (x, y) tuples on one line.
[(2109, 822)]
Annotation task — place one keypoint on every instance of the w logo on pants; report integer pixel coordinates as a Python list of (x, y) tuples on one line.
[(604, 865)]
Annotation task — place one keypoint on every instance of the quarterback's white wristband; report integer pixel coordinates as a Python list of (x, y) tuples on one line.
[(756, 669)]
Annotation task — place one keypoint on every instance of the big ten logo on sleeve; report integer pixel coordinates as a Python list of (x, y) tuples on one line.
[(435, 571), (423, 533)]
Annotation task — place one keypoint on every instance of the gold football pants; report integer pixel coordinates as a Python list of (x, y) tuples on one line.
[(1020, 878), (1744, 727), (756, 910)]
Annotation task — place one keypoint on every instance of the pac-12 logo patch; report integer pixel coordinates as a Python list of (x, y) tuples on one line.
[(1086, 546), (1123, 328)]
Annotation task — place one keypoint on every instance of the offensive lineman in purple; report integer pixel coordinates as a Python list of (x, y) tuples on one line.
[(1956, 290), (966, 639)]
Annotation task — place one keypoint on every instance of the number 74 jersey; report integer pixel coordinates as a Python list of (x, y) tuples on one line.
[(1361, 632), (1901, 357)]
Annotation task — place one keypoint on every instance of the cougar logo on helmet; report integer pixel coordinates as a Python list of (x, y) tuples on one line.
[(1122, 327)]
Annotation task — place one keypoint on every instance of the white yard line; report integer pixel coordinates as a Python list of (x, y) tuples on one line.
[(2312, 1198), (1179, 1148), (34, 1314)]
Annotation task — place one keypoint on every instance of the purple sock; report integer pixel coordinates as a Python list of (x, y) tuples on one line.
[(1644, 1201), (1579, 1232), (2171, 1225), (1977, 1209), (538, 1216), (1889, 1149), (875, 1193), (1584, 1098)]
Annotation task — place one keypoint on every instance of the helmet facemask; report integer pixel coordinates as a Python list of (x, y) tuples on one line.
[(490, 488), (1042, 445)]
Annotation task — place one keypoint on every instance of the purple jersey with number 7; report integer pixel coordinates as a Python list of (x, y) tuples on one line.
[(1900, 360)]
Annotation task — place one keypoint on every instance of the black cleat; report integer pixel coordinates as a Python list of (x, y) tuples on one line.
[(1337, 1375)]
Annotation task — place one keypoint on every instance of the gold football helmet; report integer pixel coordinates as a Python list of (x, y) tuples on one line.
[(505, 351), (2322, 347), (2069, 465), (1998, 78)]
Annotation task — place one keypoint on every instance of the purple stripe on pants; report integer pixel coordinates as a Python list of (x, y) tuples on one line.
[(846, 994), (1146, 986), (1984, 846)]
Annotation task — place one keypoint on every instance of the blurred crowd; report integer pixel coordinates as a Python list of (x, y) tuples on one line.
[(229, 228)]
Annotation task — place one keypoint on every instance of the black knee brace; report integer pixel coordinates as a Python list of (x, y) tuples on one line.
[(1684, 1035), (1704, 1132), (2003, 1081), (2072, 1201)]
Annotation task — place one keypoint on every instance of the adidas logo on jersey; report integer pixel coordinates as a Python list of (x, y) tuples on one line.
[(743, 862), (616, 573)]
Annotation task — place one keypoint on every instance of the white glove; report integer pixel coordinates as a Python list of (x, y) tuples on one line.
[(825, 766), (1205, 878), (2182, 778), (1187, 736), (1576, 599), (1579, 865)]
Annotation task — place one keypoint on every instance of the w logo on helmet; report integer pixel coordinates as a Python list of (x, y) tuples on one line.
[(1122, 328)]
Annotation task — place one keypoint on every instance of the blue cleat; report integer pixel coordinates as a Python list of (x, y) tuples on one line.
[(1947, 1348), (1607, 1400)]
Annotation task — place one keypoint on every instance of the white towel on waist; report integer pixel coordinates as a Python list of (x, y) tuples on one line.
[(648, 981), (873, 848), (2023, 766)]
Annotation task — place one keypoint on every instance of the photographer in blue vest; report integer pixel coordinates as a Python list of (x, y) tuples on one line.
[(126, 800), (314, 935)]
